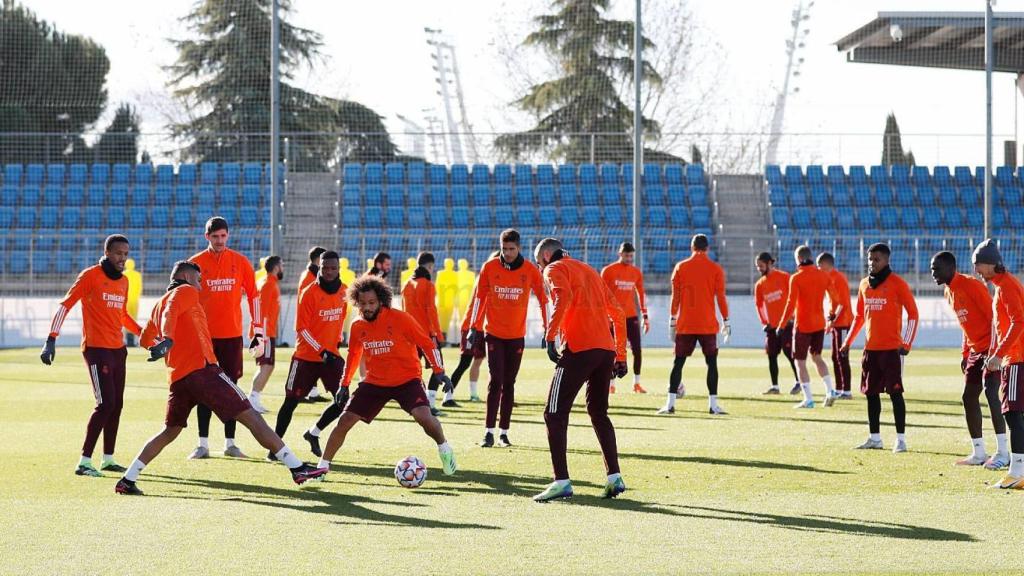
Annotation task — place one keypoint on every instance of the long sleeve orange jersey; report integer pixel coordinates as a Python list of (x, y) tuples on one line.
[(467, 319), (972, 304), (178, 315), (269, 290), (389, 343), (881, 311), (697, 283), (103, 309), (626, 283), (1009, 312), (808, 287), (224, 277), (841, 309), (582, 306), (770, 295), (502, 299), (419, 299), (305, 280), (318, 320)]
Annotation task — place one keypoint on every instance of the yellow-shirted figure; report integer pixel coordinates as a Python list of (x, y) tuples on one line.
[(261, 273), (467, 279), (348, 276), (134, 293), (410, 269), (447, 292)]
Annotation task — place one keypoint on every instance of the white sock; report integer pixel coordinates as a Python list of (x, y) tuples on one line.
[(1016, 465), (636, 378), (614, 477), (108, 458), (444, 447), (1001, 447), (671, 400), (491, 430), (472, 387), (432, 396), (448, 396), (806, 387), (323, 463), (829, 388), (504, 431), (288, 457), (85, 461), (876, 437), (562, 483), (254, 395), (229, 443), (979, 447), (134, 470), (314, 431), (713, 402), (901, 438), (204, 442)]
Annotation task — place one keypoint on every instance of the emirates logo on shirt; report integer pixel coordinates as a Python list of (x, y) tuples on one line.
[(378, 347), (773, 296), (875, 304), (220, 284), (625, 285), (331, 315), (508, 292), (961, 315), (113, 300)]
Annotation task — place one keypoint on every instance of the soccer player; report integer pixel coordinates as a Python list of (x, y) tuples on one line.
[(471, 354), (1006, 354), (972, 304), (318, 319), (808, 287), (103, 290), (881, 299), (226, 275), (419, 299), (770, 294), (839, 319), (381, 265), (309, 277), (389, 338), (697, 283), (499, 310), (177, 331), (269, 289), (626, 282), (583, 308)]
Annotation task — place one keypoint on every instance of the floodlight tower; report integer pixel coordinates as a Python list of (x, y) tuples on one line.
[(794, 48), (414, 132), (448, 78)]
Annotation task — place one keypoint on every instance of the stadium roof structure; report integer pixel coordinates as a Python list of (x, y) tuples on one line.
[(954, 40)]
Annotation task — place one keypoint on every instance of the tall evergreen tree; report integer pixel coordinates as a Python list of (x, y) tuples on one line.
[(892, 144), (119, 143), (595, 55), (222, 75)]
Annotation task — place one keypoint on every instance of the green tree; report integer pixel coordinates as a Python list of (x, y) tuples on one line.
[(51, 89), (595, 56), (222, 76), (892, 144), (120, 141)]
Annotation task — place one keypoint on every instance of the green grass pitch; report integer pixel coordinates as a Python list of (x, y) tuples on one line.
[(764, 489)]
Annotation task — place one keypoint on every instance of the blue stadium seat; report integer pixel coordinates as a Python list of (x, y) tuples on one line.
[(416, 172), (350, 218), (415, 220), (459, 174), (1009, 196), (975, 217), (609, 174), (523, 196), (29, 195), (653, 195), (932, 219), (963, 177), (254, 194), (181, 217), (773, 174), (616, 215), (482, 194), (947, 196), (227, 211), (678, 217), (55, 174), (926, 196), (53, 195), (373, 173), (350, 195), (231, 173), (373, 195), (819, 195), (879, 175), (138, 216), (844, 220), (186, 173), (12, 174), (120, 173), (142, 195), (836, 175), (352, 173), (438, 194), (437, 174), (526, 216), (698, 194), (99, 173), (794, 176), (676, 195), (184, 195), (998, 218), (920, 177), (567, 175), (777, 196), (71, 216), (840, 195), (568, 216), (9, 195), (165, 174), (502, 174), (652, 175), (858, 175), (588, 174), (460, 217), (160, 217), (1016, 218), (416, 195), (952, 218), (611, 195), (144, 174), (481, 216), (941, 176), (437, 216), (884, 195), (48, 216), (394, 173), (815, 175), (34, 174), (547, 217), (460, 195), (503, 216), (592, 216), (797, 195), (394, 195), (694, 174), (74, 195), (867, 216), (900, 174), (889, 218), (674, 174), (480, 176), (661, 262), (373, 216), (523, 173), (115, 217), (546, 195), (1004, 176), (209, 173), (780, 216), (589, 194), (910, 218), (505, 195), (545, 174), (701, 216), (970, 196), (567, 195), (656, 216), (822, 218)]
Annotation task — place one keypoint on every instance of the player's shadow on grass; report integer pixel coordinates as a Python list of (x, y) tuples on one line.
[(478, 422), (798, 418), (335, 504)]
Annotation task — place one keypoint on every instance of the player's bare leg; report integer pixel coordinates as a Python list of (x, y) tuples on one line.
[(822, 366), (432, 426), (150, 450)]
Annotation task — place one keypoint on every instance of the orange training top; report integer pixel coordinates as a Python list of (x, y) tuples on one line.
[(1009, 311), (582, 306), (389, 343), (419, 299), (626, 283), (466, 318), (502, 299), (269, 290), (178, 315), (224, 277), (972, 305), (881, 309), (305, 280), (807, 289), (318, 320), (103, 310), (697, 283), (841, 310), (770, 295)]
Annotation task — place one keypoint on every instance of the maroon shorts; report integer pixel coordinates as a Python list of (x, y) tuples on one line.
[(369, 399), (775, 344), (208, 386), (685, 343), (303, 375), (1011, 388), (974, 374), (269, 350), (804, 342), (107, 373), (229, 356), (479, 349), (881, 371)]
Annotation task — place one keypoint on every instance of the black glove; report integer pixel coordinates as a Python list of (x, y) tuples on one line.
[(553, 352), (904, 351), (341, 397), (779, 332), (619, 369), (963, 365), (160, 349), (474, 337), (49, 350), (332, 359), (255, 341), (768, 329), (446, 383)]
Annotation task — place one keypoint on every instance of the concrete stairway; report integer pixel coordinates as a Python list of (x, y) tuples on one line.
[(744, 228)]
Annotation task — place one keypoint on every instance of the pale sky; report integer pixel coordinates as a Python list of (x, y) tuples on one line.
[(376, 53)]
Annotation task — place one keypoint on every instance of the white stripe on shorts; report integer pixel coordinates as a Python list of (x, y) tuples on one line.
[(556, 383), (234, 386), (291, 375), (95, 377)]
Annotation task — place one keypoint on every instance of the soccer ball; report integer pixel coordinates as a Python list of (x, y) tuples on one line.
[(410, 472)]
